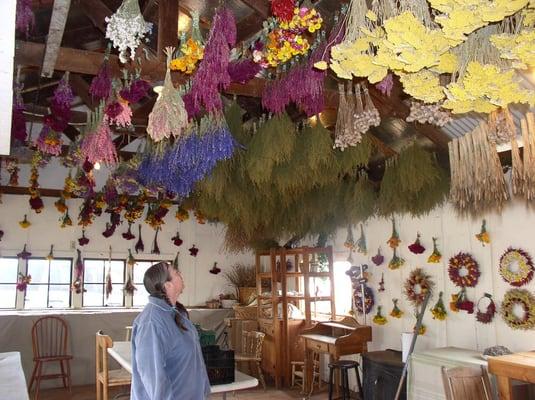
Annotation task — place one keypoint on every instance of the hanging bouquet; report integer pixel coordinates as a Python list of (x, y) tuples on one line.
[(191, 49), (24, 254), (13, 170), (378, 317), (36, 203), (24, 223), (23, 282), (486, 317), (439, 310), (83, 240), (417, 247), (77, 284), (394, 240), (378, 259), (396, 262), (483, 236), (361, 243), (435, 256), (66, 220), (417, 285), (396, 312), (181, 214), (460, 302), (97, 145)]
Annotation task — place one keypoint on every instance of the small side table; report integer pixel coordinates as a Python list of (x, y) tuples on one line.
[(381, 375)]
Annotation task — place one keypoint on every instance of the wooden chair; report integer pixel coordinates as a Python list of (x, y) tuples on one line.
[(251, 352), (104, 377), (299, 372), (466, 383), (50, 337)]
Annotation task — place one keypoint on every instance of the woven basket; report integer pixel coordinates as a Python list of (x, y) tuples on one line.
[(245, 312)]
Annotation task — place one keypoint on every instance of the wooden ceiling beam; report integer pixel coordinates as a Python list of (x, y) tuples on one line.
[(58, 20), (261, 7), (81, 89), (167, 26)]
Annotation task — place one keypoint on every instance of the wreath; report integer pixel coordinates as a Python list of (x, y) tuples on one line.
[(368, 296), (486, 317), (463, 270), (417, 286), (516, 267), (526, 301)]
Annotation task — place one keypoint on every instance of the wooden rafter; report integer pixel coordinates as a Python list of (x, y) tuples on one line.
[(167, 26), (58, 20), (261, 7), (81, 89)]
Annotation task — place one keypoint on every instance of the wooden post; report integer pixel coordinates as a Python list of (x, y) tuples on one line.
[(167, 26)]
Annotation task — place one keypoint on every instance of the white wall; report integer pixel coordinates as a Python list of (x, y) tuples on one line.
[(513, 227)]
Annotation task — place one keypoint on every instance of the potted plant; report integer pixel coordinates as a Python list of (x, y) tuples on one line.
[(242, 278), (227, 300)]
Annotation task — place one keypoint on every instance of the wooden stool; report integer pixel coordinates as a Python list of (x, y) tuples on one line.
[(343, 365)]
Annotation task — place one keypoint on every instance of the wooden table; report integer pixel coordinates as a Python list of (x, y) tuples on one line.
[(519, 366), (122, 353)]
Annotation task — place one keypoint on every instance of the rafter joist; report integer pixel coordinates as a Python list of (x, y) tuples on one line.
[(167, 26), (261, 7)]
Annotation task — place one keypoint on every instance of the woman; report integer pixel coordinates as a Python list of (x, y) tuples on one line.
[(167, 361)]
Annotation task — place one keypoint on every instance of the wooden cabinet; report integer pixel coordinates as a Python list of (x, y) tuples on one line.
[(295, 287)]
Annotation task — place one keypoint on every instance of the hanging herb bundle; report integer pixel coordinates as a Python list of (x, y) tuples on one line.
[(361, 242), (396, 312), (77, 284), (126, 28), (394, 240), (212, 74), (13, 170), (435, 256), (439, 310), (140, 246), (109, 285), (25, 18), (97, 145), (169, 116), (396, 262), (378, 259), (155, 247), (360, 198), (378, 317), (417, 247), (36, 203), (24, 254), (83, 240), (101, 85), (483, 236), (413, 183)]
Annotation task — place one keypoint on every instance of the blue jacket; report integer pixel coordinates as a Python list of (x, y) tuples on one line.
[(167, 362)]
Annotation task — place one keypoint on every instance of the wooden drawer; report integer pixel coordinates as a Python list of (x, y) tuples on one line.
[(318, 346)]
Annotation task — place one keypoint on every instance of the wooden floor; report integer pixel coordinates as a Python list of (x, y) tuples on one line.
[(88, 393)]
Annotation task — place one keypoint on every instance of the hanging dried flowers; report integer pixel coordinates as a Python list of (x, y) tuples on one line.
[(386, 85), (36, 203), (396, 262), (463, 270), (428, 113), (77, 284), (129, 287), (199, 216), (394, 240), (24, 254), (181, 214), (140, 247), (50, 255), (378, 259), (176, 239), (83, 240), (361, 243), (462, 302), (350, 240), (417, 247), (486, 317), (25, 18), (126, 28), (382, 283), (1, 234), (435, 256), (368, 296), (101, 85), (439, 310), (191, 50), (18, 119), (60, 205), (378, 317), (516, 267), (128, 235), (119, 113), (283, 9), (514, 301), (97, 145), (417, 285), (483, 236), (215, 269), (155, 249), (13, 170), (66, 220), (396, 312), (23, 282), (175, 261), (24, 223), (243, 71), (193, 251)]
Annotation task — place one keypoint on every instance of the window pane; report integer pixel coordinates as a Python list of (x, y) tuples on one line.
[(141, 296), (60, 271), (116, 296), (117, 271), (8, 295), (139, 270), (93, 271), (59, 296), (93, 295), (38, 269), (35, 296), (8, 270)]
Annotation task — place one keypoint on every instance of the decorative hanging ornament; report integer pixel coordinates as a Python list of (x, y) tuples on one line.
[(140, 246), (176, 239), (215, 269), (483, 236), (83, 240), (516, 267), (368, 296), (518, 309), (361, 243), (439, 310), (417, 247), (193, 251), (23, 282), (463, 270), (486, 317), (435, 256), (126, 28), (396, 312), (396, 262), (394, 240), (417, 285), (378, 259), (378, 317)]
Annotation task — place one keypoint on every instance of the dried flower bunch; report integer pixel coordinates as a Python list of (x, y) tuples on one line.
[(428, 113), (241, 275)]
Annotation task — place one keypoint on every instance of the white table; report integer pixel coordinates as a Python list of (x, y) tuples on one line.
[(122, 353), (12, 380)]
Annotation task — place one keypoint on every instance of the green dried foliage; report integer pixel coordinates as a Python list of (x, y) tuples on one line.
[(352, 157), (413, 183)]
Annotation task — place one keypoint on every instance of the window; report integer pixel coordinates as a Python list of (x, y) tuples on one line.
[(95, 272), (51, 283), (342, 284), (8, 281), (141, 296)]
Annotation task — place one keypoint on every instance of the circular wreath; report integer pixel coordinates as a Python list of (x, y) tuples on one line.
[(417, 285), (463, 262), (486, 317), (519, 258), (526, 301), (368, 296)]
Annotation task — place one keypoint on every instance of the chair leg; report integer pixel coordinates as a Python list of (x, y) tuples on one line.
[(359, 383), (261, 375), (105, 391), (69, 382), (345, 385), (34, 373), (99, 393), (38, 380), (63, 376), (331, 382)]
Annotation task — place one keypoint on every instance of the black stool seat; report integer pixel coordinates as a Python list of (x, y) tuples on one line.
[(344, 366)]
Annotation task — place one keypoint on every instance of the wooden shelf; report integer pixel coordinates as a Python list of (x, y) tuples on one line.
[(319, 274)]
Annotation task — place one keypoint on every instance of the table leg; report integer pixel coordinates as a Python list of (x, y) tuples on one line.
[(505, 389)]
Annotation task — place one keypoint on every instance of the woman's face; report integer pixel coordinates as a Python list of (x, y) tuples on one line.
[(175, 286)]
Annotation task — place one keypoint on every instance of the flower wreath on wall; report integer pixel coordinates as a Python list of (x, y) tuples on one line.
[(486, 317), (515, 302), (368, 296), (516, 267), (417, 285), (464, 272)]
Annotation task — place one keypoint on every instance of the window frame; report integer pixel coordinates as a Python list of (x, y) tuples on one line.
[(14, 284), (105, 260), (152, 261), (48, 307)]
